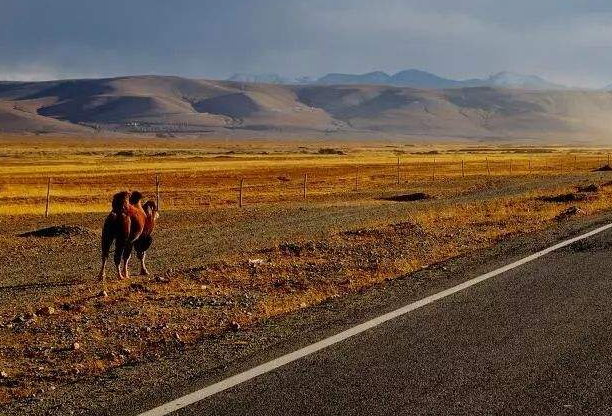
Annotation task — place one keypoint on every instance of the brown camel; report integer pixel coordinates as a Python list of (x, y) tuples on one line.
[(130, 224)]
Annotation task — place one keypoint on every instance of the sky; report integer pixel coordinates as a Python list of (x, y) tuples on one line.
[(565, 41)]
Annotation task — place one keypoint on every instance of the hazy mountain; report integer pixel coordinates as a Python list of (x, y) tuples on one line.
[(371, 78), (415, 78), (305, 80), (270, 79), (179, 105), (421, 79), (507, 79), (259, 78), (409, 78)]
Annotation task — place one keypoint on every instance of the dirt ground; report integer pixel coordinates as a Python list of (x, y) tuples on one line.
[(218, 269), (224, 270)]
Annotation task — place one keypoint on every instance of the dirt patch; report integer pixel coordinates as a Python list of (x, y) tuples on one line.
[(604, 168), (588, 188), (569, 197), (568, 213), (58, 231), (125, 153), (418, 196), (330, 151), (290, 249)]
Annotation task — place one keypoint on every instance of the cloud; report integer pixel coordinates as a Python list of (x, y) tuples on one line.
[(568, 41)]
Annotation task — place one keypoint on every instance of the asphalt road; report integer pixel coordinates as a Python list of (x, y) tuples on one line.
[(535, 340)]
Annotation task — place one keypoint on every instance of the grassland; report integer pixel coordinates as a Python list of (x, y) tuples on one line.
[(220, 268), (196, 175)]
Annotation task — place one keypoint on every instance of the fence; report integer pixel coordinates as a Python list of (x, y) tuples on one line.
[(187, 188)]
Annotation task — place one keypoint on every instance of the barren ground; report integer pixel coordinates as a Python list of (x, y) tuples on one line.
[(224, 270)]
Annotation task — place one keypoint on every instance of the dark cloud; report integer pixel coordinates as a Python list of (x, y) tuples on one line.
[(569, 41)]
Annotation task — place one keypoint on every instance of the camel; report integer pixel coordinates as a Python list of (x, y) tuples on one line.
[(130, 225)]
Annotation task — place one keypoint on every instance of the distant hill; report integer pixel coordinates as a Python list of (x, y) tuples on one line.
[(413, 78), (420, 79), (269, 79), (410, 78), (508, 79), (259, 78), (181, 105), (371, 78)]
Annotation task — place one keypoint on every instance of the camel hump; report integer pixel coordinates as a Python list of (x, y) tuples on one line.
[(135, 197), (120, 202)]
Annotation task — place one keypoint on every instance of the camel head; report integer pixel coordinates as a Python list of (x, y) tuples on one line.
[(150, 207)]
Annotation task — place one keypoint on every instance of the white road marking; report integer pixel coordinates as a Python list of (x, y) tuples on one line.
[(232, 381)]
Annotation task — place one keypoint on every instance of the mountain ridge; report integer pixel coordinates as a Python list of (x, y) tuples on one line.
[(414, 78), (154, 104)]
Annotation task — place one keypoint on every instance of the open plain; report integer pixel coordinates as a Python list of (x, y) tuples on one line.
[(317, 223)]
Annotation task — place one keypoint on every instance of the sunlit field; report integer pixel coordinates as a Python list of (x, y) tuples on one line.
[(198, 175)]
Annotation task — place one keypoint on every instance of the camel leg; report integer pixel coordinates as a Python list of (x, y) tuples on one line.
[(102, 274), (121, 244), (107, 241), (119, 250), (143, 268), (142, 245), (127, 253)]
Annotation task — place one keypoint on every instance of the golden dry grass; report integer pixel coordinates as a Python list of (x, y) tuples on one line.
[(197, 174)]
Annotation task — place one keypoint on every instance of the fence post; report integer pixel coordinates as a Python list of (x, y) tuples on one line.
[(608, 159), (488, 168), (157, 192), (530, 164), (398, 170), (305, 181), (462, 169), (240, 193), (575, 162), (433, 170), (510, 167), (48, 197), (356, 178)]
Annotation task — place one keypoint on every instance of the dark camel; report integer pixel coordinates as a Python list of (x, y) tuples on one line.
[(130, 225)]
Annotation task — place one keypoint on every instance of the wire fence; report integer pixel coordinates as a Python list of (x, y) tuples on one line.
[(176, 189)]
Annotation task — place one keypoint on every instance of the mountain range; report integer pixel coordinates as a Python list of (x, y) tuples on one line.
[(413, 78), (270, 79), (165, 104)]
